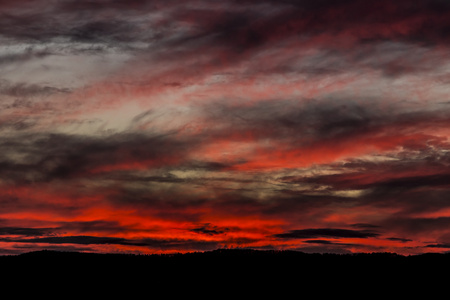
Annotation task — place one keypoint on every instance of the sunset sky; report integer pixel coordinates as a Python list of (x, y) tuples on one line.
[(166, 126)]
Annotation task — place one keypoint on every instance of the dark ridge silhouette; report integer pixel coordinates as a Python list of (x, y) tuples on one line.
[(229, 268)]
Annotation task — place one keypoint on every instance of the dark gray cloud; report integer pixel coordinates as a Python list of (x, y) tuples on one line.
[(117, 5), (399, 239), (402, 181), (409, 183), (17, 124), (84, 240), (209, 229), (23, 57), (163, 244), (132, 176), (61, 227), (416, 167), (365, 226), (28, 90), (84, 22), (59, 156), (103, 31), (25, 248), (377, 185), (239, 29), (444, 246), (308, 121), (326, 232), (326, 242), (92, 226), (23, 231)]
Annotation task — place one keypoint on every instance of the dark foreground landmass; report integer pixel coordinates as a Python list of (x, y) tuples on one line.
[(230, 268)]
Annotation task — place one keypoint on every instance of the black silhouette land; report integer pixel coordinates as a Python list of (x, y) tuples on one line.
[(229, 268)]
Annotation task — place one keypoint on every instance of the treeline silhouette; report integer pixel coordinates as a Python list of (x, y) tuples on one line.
[(225, 267)]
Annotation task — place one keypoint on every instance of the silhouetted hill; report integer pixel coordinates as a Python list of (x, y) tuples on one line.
[(230, 268), (227, 258)]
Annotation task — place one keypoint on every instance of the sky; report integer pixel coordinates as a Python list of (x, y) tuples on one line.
[(175, 126)]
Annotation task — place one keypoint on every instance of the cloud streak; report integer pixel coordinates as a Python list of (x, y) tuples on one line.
[(325, 232)]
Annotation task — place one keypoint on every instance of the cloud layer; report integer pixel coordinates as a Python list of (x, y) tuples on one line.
[(173, 126)]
